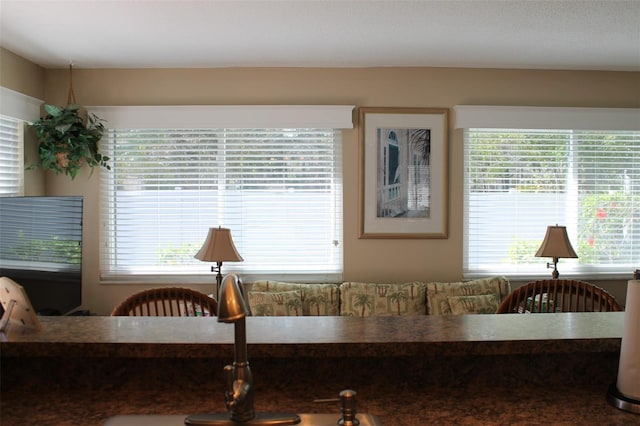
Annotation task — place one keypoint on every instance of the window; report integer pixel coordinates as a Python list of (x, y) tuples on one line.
[(279, 190), (41, 234), (11, 157), (519, 181), (15, 110)]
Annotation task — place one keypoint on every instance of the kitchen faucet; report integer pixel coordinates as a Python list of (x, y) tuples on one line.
[(239, 392)]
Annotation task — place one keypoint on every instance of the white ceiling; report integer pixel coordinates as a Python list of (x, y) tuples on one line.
[(537, 34)]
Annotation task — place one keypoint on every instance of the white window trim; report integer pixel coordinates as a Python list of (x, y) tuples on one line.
[(19, 106), (518, 117), (227, 116)]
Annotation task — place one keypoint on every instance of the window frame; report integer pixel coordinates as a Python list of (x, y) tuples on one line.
[(335, 117), (22, 109), (505, 118)]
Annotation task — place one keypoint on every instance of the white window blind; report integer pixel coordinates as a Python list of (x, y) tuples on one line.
[(15, 109), (518, 182), (41, 234), (11, 157), (278, 190)]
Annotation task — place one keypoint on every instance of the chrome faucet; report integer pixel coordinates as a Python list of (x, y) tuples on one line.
[(238, 377), (232, 308)]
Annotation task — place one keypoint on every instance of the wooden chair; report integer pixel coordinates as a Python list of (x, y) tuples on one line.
[(558, 296), (167, 302)]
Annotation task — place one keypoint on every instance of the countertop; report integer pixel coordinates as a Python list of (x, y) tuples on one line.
[(470, 370), (400, 405), (319, 336)]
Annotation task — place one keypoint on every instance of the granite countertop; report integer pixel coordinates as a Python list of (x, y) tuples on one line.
[(396, 401), (399, 406), (469, 370), (320, 336)]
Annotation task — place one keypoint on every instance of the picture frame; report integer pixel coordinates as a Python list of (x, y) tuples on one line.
[(404, 182)]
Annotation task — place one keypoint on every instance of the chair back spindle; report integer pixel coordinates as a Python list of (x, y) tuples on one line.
[(544, 296), (169, 301)]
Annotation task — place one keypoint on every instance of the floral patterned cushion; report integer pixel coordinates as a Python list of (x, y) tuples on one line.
[(275, 304), (481, 304), (437, 292), (367, 299), (317, 299)]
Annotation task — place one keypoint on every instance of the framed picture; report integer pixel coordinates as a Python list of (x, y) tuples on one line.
[(403, 172)]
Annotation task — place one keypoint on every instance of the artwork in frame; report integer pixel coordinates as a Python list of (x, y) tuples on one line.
[(403, 172)]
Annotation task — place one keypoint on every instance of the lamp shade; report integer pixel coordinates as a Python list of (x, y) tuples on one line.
[(219, 247), (556, 244)]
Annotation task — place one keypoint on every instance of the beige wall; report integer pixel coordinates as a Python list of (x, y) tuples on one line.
[(367, 260), (16, 73)]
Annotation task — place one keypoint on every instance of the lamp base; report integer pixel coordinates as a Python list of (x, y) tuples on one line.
[(261, 419), (615, 398)]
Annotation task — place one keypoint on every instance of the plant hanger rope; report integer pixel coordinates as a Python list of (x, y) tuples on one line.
[(71, 97)]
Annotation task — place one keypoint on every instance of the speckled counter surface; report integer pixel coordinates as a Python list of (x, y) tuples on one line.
[(464, 371), (397, 406), (459, 393), (320, 337)]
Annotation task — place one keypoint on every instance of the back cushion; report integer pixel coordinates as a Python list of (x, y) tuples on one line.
[(438, 293), (317, 299), (275, 304), (480, 304), (369, 299)]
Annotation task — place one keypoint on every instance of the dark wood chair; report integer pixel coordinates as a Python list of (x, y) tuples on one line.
[(167, 302), (560, 295)]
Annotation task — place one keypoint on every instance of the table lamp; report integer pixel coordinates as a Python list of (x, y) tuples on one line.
[(218, 247), (556, 245)]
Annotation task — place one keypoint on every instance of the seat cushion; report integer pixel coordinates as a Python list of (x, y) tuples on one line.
[(370, 299), (439, 292)]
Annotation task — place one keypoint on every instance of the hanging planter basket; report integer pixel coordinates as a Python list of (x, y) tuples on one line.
[(68, 138)]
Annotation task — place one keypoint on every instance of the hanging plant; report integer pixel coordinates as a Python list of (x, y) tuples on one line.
[(68, 138)]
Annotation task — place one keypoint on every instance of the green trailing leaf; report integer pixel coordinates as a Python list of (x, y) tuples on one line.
[(52, 110), (64, 127)]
